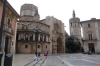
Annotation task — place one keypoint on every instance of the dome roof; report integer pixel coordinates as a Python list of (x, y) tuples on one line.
[(28, 7), (73, 36)]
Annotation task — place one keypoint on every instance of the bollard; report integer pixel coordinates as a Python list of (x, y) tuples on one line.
[(8, 60), (0, 57), (39, 54)]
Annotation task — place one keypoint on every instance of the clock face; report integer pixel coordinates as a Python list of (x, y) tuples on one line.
[(33, 13)]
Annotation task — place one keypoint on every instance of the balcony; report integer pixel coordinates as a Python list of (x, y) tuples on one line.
[(90, 40), (8, 29), (31, 30)]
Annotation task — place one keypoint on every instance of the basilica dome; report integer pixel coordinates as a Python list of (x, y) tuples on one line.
[(29, 10)]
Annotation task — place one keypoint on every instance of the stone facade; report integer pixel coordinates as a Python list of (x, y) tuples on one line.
[(9, 30), (91, 35), (51, 38)]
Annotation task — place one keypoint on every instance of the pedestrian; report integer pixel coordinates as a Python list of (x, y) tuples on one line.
[(47, 52), (35, 58), (62, 63)]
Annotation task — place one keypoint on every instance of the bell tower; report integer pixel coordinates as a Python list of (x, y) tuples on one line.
[(74, 25)]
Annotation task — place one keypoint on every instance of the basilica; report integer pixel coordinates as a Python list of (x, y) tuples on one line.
[(50, 37)]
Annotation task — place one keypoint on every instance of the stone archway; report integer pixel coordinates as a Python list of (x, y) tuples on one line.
[(59, 45)]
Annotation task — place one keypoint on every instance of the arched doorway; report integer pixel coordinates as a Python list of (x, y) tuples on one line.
[(59, 45)]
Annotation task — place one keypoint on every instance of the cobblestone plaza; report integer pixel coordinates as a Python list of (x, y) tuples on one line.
[(59, 60)]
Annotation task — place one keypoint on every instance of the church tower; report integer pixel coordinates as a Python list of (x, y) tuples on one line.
[(29, 12), (74, 25)]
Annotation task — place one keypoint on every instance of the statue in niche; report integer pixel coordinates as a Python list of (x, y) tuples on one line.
[(56, 27), (31, 37), (21, 36), (26, 37)]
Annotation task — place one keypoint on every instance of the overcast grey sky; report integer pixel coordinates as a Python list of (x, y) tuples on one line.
[(62, 9)]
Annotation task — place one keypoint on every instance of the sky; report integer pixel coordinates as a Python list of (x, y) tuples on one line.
[(62, 9)]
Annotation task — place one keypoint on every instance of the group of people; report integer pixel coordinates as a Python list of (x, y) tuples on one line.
[(46, 54), (36, 58)]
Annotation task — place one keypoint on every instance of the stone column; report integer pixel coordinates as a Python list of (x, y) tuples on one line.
[(47, 38), (3, 43), (33, 37), (9, 45), (43, 38), (50, 39), (38, 37), (28, 36), (24, 36), (19, 36)]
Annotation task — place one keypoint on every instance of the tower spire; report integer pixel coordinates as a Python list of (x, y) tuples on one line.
[(73, 14)]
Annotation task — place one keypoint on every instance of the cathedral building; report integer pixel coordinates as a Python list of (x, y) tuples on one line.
[(51, 37), (75, 27)]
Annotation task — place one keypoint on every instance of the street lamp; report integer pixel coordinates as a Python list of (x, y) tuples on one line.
[(1, 28), (36, 31), (52, 39)]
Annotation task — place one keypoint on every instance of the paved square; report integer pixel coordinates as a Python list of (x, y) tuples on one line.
[(74, 60), (77, 59)]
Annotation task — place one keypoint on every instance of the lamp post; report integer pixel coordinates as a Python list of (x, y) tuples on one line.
[(52, 39), (1, 28), (36, 31)]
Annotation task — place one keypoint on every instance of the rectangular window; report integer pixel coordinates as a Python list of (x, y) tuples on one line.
[(26, 37), (71, 24), (26, 46), (21, 36), (90, 36), (46, 47), (89, 25), (31, 37), (41, 38), (38, 46)]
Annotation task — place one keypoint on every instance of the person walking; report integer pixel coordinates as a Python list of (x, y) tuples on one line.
[(62, 63), (35, 58)]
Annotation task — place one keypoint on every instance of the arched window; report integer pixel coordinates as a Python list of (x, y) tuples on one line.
[(71, 24), (36, 37), (31, 37), (41, 37), (21, 36), (38, 46), (26, 37), (26, 46), (9, 22), (89, 25), (46, 46), (90, 36), (44, 38)]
